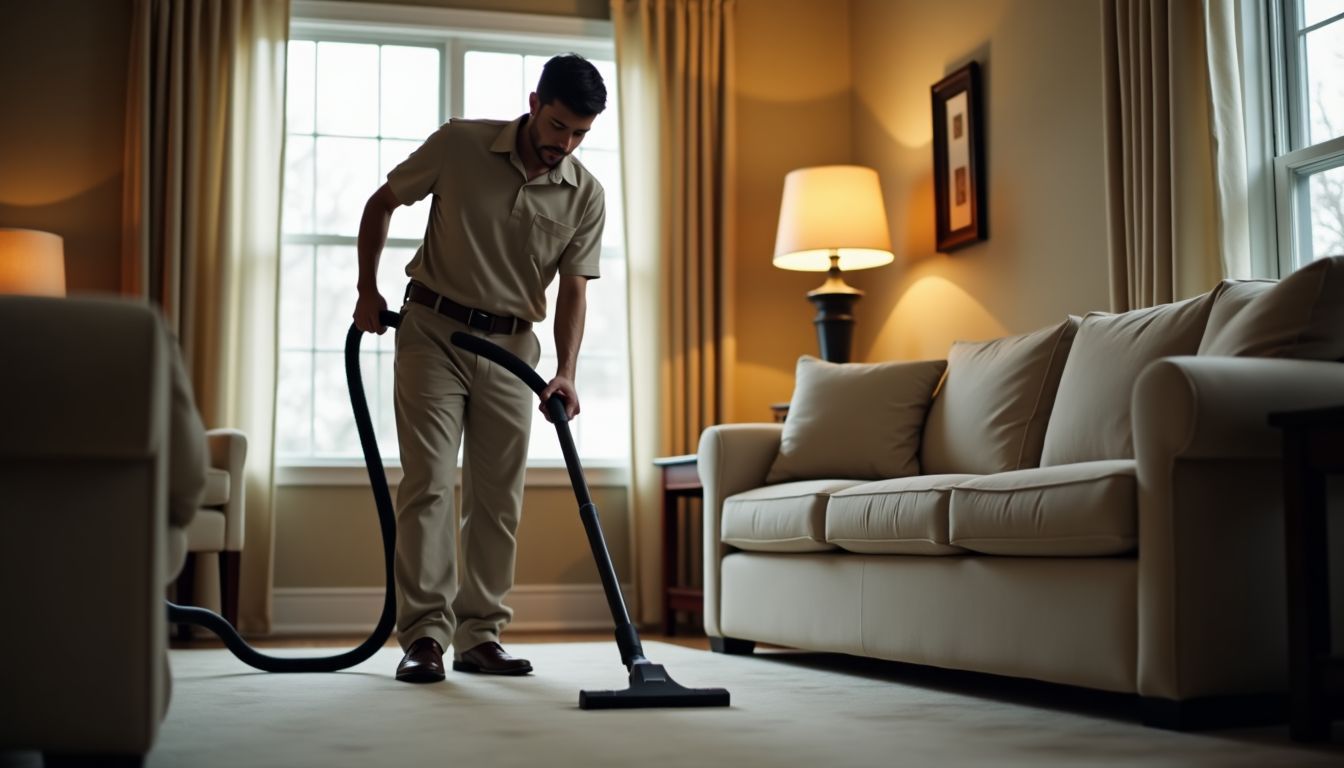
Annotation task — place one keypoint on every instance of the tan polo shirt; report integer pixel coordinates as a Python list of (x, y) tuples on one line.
[(495, 240)]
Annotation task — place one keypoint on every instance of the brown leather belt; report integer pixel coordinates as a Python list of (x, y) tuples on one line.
[(475, 318)]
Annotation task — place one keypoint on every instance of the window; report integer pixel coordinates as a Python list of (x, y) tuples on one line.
[(361, 97), (1307, 62)]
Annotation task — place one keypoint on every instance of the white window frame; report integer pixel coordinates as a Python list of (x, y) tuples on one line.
[(454, 32), (1281, 162)]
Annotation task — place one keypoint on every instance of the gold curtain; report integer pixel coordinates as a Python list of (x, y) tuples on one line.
[(201, 221), (674, 71), (1160, 176)]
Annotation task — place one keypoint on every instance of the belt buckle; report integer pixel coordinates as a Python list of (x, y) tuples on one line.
[(486, 323)]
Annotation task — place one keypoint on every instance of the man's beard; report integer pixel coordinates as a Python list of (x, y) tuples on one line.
[(538, 148)]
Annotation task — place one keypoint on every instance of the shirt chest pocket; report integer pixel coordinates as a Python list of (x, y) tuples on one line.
[(548, 238)]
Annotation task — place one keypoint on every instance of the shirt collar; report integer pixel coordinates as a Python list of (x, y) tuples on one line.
[(507, 143)]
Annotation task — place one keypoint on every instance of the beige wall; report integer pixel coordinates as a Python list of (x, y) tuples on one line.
[(328, 537), (1045, 256), (823, 82), (62, 119)]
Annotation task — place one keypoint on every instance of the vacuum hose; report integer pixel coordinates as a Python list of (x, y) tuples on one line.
[(180, 614)]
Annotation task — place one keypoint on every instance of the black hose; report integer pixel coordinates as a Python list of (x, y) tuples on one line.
[(180, 614)]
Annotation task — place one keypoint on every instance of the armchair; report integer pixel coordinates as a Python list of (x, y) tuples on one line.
[(102, 469)]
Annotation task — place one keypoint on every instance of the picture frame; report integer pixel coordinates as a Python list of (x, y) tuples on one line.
[(958, 160)]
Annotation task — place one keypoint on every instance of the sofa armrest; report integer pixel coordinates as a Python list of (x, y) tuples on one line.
[(732, 458), (228, 451), (1211, 568)]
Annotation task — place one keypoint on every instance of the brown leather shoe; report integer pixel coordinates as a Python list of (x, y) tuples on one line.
[(423, 662), (491, 659)]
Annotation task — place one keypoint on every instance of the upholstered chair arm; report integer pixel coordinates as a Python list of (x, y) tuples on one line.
[(228, 452), (732, 458), (1211, 568)]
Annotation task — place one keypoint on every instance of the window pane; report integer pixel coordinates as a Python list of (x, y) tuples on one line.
[(606, 167), (408, 222), (299, 69), (296, 297), (298, 212), (1327, 213), (604, 330), (294, 404), (410, 98), (1316, 11), (347, 173), (1325, 82), (334, 433), (347, 89), (493, 85), (606, 415), (334, 304)]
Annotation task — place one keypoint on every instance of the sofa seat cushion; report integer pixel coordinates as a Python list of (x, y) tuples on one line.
[(903, 516), (788, 517), (216, 488), (1073, 510)]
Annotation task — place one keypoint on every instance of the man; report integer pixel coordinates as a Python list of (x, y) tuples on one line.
[(511, 208)]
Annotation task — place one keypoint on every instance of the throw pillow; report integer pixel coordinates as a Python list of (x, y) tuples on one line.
[(1300, 317), (1090, 420), (859, 421), (1232, 297), (991, 413)]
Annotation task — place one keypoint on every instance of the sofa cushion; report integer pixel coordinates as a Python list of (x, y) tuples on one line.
[(855, 420), (1074, 510), (991, 412), (1300, 317), (903, 516), (789, 517), (1090, 420)]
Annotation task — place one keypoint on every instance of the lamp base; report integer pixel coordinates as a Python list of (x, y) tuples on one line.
[(835, 324)]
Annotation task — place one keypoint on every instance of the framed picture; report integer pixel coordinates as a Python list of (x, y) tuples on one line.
[(958, 160)]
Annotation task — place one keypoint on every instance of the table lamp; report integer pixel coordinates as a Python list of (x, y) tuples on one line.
[(31, 262), (832, 218)]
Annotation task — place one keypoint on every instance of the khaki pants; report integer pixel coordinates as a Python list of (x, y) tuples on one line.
[(444, 394)]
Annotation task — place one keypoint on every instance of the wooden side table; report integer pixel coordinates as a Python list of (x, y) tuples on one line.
[(1313, 449), (681, 480)]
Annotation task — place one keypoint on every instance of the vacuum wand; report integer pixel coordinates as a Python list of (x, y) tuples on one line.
[(650, 685)]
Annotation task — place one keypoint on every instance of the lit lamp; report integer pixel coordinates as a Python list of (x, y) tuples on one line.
[(31, 262), (832, 218)]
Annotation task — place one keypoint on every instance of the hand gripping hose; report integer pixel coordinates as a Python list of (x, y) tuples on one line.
[(181, 614)]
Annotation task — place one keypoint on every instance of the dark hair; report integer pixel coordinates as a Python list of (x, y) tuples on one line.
[(575, 82)]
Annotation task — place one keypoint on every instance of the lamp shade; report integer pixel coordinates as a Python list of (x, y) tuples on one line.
[(31, 262), (832, 208)]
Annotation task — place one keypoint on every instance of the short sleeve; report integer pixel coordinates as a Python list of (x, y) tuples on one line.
[(584, 254), (415, 176)]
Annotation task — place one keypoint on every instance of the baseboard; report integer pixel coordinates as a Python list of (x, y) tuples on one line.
[(354, 610)]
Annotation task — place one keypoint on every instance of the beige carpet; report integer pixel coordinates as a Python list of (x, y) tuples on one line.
[(788, 709)]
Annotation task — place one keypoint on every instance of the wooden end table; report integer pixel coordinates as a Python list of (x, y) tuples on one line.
[(681, 480), (1313, 449)]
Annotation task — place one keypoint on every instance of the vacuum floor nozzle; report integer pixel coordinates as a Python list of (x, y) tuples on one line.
[(650, 686)]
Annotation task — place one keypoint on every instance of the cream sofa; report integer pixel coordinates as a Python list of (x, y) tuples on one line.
[(1095, 504), (102, 469)]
